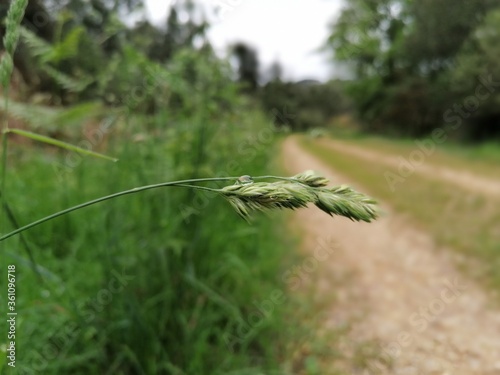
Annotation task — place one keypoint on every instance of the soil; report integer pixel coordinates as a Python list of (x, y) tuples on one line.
[(401, 295)]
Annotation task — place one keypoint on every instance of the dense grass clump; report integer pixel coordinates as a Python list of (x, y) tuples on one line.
[(154, 283), (162, 282)]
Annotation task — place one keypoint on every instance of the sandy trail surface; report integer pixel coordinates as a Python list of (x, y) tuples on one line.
[(400, 293)]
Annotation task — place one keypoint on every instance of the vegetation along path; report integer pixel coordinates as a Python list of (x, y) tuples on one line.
[(402, 296), (415, 163)]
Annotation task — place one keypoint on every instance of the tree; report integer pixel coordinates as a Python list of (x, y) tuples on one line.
[(479, 58), (367, 37), (401, 53), (274, 72), (161, 44), (308, 103), (248, 65)]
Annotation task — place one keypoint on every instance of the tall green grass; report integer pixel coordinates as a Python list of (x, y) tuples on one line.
[(157, 283), (190, 280)]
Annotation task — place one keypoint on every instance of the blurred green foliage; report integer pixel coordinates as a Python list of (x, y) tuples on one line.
[(159, 283), (418, 65), (310, 104)]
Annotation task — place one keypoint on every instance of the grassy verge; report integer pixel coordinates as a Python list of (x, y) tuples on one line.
[(481, 159), (165, 282), (465, 221), (171, 281)]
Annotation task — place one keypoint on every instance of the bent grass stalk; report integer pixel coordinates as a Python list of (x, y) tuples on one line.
[(245, 196), (57, 143)]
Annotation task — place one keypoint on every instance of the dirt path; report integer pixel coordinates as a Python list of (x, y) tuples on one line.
[(399, 293), (464, 179)]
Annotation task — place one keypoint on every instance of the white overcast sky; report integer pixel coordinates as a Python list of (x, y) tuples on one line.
[(290, 31)]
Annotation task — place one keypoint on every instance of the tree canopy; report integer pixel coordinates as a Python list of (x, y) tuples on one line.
[(412, 61)]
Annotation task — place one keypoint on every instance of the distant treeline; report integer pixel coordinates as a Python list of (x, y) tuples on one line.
[(419, 65), (409, 66), (303, 105)]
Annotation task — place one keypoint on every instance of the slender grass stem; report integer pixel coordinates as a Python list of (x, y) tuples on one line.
[(3, 170), (339, 201), (276, 178), (199, 188), (57, 143), (183, 183)]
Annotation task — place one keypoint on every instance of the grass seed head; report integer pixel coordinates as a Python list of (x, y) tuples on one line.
[(266, 196), (12, 26), (310, 178), (345, 201), (246, 196)]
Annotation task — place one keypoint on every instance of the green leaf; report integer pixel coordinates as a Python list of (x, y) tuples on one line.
[(55, 142), (37, 46), (68, 47), (67, 82)]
